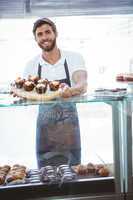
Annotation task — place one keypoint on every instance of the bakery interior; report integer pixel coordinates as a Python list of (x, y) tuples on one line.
[(103, 34)]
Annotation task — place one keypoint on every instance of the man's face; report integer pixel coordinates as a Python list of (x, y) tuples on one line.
[(45, 37)]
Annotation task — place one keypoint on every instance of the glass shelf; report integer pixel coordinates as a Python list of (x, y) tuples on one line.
[(6, 100), (129, 97)]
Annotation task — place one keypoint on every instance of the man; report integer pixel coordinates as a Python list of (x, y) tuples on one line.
[(58, 133)]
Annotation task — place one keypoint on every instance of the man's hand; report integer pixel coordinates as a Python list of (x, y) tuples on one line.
[(80, 79), (65, 90)]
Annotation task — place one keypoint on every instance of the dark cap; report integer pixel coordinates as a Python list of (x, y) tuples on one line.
[(42, 21)]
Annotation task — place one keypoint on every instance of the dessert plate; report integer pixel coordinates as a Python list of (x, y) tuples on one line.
[(33, 95)]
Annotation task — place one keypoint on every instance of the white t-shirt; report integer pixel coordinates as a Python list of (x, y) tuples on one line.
[(55, 71)]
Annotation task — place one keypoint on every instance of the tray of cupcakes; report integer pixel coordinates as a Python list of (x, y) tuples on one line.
[(35, 88)]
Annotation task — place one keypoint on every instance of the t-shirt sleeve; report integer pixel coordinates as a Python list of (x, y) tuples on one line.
[(76, 63)]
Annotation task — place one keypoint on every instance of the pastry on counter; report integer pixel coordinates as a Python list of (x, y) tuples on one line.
[(16, 174), (103, 171), (3, 173), (5, 168), (98, 167), (2, 179), (81, 169), (128, 78), (48, 174), (125, 77), (92, 169), (65, 172), (120, 78)]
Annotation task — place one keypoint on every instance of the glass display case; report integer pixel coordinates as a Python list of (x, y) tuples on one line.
[(127, 142), (100, 121)]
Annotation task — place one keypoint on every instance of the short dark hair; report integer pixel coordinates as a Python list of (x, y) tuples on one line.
[(42, 21)]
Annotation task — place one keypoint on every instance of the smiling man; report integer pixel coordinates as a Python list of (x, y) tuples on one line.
[(58, 131)]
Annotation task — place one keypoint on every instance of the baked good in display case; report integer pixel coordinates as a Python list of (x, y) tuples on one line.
[(35, 88), (128, 79), (92, 170), (16, 175), (3, 173), (11, 175), (20, 174), (125, 77)]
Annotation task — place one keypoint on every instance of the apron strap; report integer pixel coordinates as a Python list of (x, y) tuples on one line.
[(67, 73), (39, 70)]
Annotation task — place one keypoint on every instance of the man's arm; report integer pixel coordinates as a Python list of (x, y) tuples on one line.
[(80, 79)]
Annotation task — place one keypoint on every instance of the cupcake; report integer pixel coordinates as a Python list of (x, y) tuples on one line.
[(41, 88), (91, 168), (19, 82), (103, 172), (33, 79), (28, 85), (43, 81), (54, 85)]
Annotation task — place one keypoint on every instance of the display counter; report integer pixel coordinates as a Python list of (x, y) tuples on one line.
[(82, 187), (127, 145)]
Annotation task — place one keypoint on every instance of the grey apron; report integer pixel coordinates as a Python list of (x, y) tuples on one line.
[(58, 132)]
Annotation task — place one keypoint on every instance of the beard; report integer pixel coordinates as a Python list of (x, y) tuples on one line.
[(49, 47)]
